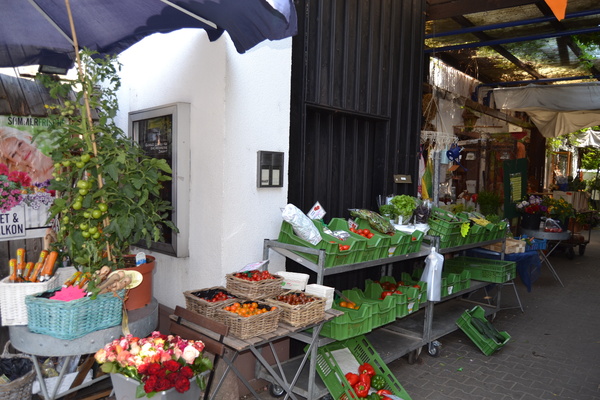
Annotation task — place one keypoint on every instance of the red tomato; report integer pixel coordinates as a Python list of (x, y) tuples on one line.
[(366, 231), (370, 235)]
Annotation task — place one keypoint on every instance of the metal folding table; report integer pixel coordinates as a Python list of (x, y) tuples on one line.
[(554, 239)]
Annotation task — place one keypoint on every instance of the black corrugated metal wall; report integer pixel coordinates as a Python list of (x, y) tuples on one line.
[(356, 88)]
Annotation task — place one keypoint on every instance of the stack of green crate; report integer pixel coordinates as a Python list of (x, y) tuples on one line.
[(387, 306), (334, 256), (451, 282), (376, 247), (483, 269), (352, 323), (332, 374), (447, 226)]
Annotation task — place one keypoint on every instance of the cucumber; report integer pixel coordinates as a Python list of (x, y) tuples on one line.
[(495, 332), (484, 330)]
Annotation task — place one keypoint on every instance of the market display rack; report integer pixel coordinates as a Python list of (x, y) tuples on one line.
[(404, 336)]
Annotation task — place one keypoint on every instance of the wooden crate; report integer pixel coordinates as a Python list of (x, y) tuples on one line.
[(512, 246)]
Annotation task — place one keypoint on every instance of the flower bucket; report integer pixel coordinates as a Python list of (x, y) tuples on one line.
[(126, 387), (531, 221), (141, 295)]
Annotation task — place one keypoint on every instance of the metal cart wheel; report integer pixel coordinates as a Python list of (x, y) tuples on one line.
[(570, 253), (581, 249), (276, 390), (435, 348)]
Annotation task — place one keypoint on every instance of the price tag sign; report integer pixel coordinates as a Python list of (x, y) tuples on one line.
[(12, 223)]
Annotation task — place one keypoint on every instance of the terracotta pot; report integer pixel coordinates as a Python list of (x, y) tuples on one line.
[(141, 296), (125, 388)]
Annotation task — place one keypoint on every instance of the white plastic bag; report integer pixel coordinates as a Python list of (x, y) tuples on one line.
[(432, 274), (303, 226)]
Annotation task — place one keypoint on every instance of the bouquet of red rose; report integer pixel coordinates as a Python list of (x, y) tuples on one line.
[(159, 362)]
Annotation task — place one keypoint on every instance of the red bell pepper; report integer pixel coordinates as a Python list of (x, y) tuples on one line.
[(352, 378), (383, 392), (365, 378), (361, 389), (366, 368)]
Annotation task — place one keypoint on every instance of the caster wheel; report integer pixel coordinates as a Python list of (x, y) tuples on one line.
[(435, 349), (276, 390), (570, 253), (581, 249)]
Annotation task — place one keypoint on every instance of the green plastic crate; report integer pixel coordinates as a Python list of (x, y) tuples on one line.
[(333, 255), (451, 282), (415, 280), (487, 345), (401, 299), (482, 269), (377, 247), (386, 306), (352, 323), (333, 376), (408, 304)]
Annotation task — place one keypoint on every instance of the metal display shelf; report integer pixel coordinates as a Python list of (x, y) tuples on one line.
[(404, 336)]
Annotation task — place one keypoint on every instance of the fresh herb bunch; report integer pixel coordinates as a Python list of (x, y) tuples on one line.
[(108, 190)]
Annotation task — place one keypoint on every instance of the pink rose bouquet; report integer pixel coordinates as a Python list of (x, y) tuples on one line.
[(159, 362)]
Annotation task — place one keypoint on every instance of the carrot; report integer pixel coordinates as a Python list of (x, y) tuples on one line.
[(48, 268)]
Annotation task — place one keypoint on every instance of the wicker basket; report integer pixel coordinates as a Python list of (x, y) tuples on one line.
[(20, 388), (300, 314), (12, 298), (252, 326), (76, 318), (254, 290), (194, 302)]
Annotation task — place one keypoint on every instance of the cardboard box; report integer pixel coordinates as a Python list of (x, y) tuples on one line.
[(293, 280)]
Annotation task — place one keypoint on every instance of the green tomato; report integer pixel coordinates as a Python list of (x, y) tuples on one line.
[(80, 164), (65, 219), (83, 226), (85, 234), (96, 235), (77, 205), (81, 184), (57, 165), (85, 157), (83, 192), (66, 163), (79, 199), (96, 214), (87, 214), (102, 207), (93, 229)]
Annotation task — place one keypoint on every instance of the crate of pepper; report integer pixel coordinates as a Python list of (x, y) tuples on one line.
[(353, 369), (207, 301), (298, 308), (249, 318), (254, 284)]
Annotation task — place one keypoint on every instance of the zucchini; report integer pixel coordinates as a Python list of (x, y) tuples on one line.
[(484, 330), (494, 331)]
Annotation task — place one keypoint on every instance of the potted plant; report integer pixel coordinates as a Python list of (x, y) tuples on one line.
[(108, 190), (489, 202), (158, 364)]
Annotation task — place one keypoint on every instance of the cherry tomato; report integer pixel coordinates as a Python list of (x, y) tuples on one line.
[(96, 214)]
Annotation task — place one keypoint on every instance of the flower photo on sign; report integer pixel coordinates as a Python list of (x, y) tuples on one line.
[(159, 362), (13, 185)]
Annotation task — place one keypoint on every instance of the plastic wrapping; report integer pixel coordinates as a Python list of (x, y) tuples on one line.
[(376, 221), (303, 226), (432, 274), (552, 225)]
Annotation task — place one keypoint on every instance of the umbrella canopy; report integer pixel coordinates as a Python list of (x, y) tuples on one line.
[(36, 32)]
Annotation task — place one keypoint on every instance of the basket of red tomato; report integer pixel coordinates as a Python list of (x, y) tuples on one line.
[(207, 301), (254, 284)]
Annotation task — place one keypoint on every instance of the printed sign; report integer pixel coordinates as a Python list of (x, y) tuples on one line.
[(12, 223)]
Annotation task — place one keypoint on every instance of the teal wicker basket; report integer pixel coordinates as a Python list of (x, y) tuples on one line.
[(73, 319)]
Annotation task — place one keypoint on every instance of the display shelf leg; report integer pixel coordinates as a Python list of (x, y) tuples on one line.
[(545, 260), (280, 381)]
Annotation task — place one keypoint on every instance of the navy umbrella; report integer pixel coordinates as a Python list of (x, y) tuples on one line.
[(36, 32)]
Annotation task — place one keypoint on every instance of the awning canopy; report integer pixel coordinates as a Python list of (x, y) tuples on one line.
[(557, 109)]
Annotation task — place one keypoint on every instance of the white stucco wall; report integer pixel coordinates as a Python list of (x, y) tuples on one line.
[(239, 105)]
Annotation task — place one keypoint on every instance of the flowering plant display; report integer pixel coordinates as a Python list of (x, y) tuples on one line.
[(13, 184), (159, 362), (560, 209), (532, 204)]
